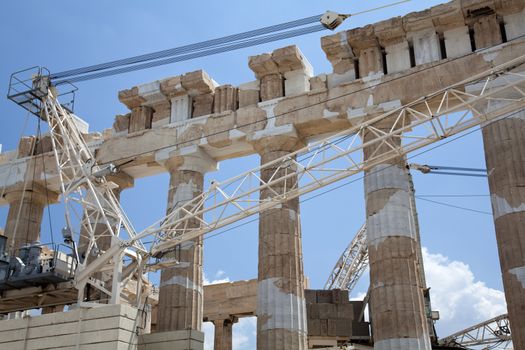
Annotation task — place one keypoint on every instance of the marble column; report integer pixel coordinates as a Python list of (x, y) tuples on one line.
[(26, 210), (397, 307), (281, 308), (504, 143), (223, 333), (181, 287)]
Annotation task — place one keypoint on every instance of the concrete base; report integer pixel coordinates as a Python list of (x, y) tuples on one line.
[(109, 327), (175, 340)]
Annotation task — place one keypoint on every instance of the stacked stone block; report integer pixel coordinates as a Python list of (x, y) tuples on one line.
[(331, 314)]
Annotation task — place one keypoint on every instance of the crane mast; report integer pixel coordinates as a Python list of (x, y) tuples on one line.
[(92, 211)]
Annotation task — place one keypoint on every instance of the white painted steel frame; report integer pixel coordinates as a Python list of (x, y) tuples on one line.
[(86, 199), (494, 332), (351, 264)]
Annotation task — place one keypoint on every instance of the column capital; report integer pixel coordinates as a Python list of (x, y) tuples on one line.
[(122, 180), (32, 190), (277, 138), (192, 158), (221, 319)]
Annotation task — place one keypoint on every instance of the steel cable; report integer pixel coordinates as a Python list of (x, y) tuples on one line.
[(187, 48), (203, 45), (222, 49)]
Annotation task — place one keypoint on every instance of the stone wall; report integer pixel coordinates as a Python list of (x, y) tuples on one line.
[(110, 327), (332, 315)]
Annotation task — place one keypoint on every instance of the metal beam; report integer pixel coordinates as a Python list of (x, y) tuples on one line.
[(494, 333), (351, 265)]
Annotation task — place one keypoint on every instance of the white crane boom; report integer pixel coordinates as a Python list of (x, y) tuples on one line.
[(88, 199), (351, 265)]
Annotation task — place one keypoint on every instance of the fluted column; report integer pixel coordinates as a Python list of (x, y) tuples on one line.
[(223, 333), (504, 142), (397, 304), (181, 287), (281, 309), (26, 209)]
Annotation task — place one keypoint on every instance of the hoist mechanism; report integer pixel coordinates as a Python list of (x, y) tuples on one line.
[(332, 20)]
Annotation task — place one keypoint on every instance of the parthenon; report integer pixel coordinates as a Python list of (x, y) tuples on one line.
[(392, 85)]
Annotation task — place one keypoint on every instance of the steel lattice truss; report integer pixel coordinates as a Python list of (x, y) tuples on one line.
[(491, 334), (445, 113), (351, 265), (87, 196), (418, 124)]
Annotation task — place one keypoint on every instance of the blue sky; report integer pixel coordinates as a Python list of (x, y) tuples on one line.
[(66, 34)]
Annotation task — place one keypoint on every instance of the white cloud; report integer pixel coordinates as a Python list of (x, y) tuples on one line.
[(209, 332), (359, 296), (461, 300), (217, 280), (245, 333)]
